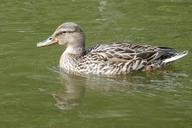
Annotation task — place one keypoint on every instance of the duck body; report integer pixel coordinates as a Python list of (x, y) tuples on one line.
[(107, 59), (117, 59)]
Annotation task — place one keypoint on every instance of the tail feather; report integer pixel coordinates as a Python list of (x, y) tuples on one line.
[(176, 57)]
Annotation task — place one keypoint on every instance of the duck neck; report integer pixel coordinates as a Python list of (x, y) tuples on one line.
[(76, 47), (74, 50)]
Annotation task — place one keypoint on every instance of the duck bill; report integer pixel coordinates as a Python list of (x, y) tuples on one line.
[(48, 42)]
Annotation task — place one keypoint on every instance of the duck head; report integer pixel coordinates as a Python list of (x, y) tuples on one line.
[(68, 34)]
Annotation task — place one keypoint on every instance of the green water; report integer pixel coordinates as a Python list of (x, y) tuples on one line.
[(33, 95)]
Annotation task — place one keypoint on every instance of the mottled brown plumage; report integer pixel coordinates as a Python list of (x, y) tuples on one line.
[(107, 59)]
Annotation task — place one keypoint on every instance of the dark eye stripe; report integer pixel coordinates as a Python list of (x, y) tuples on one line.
[(64, 32)]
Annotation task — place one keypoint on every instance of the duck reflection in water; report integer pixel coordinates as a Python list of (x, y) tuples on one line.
[(76, 85), (72, 93)]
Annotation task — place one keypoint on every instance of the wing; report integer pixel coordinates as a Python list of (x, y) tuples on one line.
[(120, 58), (125, 52)]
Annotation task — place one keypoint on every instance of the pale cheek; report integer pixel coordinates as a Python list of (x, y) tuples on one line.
[(62, 41), (69, 38)]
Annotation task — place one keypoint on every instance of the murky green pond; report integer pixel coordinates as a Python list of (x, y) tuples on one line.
[(33, 95)]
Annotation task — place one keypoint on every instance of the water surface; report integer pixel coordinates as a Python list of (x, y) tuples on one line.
[(33, 95)]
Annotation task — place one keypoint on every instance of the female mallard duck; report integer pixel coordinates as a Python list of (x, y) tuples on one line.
[(107, 59)]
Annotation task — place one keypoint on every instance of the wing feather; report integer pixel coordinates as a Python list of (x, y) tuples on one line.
[(123, 57)]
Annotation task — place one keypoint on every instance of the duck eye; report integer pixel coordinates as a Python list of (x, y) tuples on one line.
[(60, 33)]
